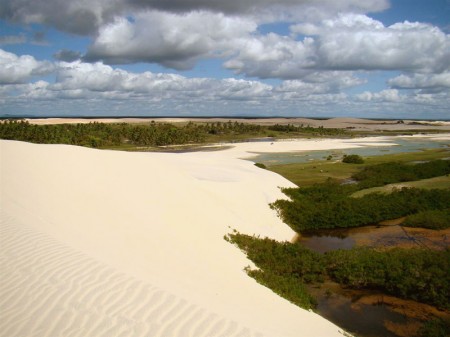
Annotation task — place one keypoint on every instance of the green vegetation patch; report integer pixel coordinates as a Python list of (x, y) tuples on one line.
[(329, 205), (301, 130), (420, 275), (431, 183), (260, 165), (134, 136), (287, 286), (286, 268), (353, 159), (394, 172), (437, 327), (434, 219), (306, 174), (102, 135)]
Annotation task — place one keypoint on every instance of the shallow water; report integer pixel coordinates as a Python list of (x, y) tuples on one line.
[(386, 235), (326, 243), (353, 310), (361, 312), (371, 314), (363, 320), (403, 145)]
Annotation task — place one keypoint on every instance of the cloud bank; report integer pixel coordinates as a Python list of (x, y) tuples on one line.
[(77, 84), (327, 55), (87, 16)]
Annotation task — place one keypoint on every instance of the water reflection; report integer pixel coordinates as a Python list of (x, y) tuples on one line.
[(386, 235), (323, 244), (365, 314)]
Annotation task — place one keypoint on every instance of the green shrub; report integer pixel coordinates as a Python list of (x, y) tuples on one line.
[(330, 206), (421, 275), (260, 165), (283, 267), (393, 172), (417, 274), (353, 159), (287, 286), (435, 328), (434, 219)]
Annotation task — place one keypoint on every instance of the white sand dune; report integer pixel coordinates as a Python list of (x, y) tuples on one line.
[(104, 243)]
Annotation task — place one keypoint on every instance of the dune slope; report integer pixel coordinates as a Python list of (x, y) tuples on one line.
[(104, 243)]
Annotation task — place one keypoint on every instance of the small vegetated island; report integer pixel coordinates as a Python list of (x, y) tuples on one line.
[(418, 275)]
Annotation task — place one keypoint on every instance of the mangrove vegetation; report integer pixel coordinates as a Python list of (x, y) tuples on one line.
[(417, 274), (413, 274)]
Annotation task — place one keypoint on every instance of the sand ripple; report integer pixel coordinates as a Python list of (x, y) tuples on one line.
[(49, 289)]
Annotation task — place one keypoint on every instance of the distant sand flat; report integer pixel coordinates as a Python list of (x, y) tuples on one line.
[(105, 243), (358, 124)]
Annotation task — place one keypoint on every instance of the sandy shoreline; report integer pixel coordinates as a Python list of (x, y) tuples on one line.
[(105, 243), (357, 124)]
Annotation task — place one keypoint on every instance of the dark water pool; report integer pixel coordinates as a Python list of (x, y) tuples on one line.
[(359, 319), (351, 309), (326, 243)]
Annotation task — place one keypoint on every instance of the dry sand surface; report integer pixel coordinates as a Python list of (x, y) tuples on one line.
[(357, 124), (105, 243)]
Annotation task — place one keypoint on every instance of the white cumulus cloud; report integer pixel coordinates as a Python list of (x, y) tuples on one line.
[(437, 82), (173, 40), (85, 17), (388, 95), (19, 69), (348, 42)]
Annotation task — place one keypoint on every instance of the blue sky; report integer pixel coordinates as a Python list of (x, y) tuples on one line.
[(322, 58)]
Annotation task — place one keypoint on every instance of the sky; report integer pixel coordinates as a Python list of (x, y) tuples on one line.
[(291, 58)]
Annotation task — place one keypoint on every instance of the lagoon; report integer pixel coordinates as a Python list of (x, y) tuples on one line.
[(403, 144)]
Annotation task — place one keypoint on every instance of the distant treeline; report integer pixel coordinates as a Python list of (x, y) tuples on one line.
[(103, 135), (290, 128), (286, 268)]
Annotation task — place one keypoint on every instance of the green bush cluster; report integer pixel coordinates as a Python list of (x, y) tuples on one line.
[(260, 165), (151, 134), (297, 260), (284, 267), (417, 274), (353, 159), (101, 134), (287, 286), (302, 129), (437, 327), (435, 219), (393, 172), (329, 205), (420, 275)]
